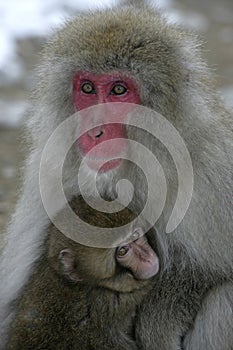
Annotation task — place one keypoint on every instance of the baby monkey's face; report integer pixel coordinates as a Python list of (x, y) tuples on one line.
[(124, 268)]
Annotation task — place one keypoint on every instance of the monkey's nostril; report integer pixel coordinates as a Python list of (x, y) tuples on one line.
[(97, 136), (95, 133)]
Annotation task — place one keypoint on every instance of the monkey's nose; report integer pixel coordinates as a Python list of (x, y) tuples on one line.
[(96, 133)]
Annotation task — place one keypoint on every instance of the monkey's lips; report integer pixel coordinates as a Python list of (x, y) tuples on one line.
[(102, 165), (106, 159)]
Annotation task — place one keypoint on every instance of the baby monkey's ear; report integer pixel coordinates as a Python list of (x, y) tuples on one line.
[(67, 260)]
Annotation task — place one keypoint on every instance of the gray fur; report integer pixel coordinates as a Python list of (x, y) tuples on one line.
[(175, 82)]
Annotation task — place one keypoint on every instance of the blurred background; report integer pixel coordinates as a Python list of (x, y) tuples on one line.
[(24, 26)]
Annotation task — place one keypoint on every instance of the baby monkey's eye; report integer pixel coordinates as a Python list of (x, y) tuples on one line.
[(118, 89), (88, 88), (122, 251)]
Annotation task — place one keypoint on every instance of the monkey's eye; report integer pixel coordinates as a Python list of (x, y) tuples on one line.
[(88, 88), (122, 251), (118, 90)]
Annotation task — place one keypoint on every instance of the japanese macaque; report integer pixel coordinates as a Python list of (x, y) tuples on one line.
[(125, 57), (57, 311)]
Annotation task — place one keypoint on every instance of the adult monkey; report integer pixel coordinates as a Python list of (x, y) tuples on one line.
[(133, 55)]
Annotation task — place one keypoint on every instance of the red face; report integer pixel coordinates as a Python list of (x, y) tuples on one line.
[(92, 89)]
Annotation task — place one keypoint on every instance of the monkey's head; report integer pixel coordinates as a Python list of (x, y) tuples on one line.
[(125, 268), (110, 57)]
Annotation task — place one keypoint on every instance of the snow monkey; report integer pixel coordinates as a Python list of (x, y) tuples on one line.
[(125, 57), (57, 311)]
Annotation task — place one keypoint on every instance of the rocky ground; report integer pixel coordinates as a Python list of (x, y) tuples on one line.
[(215, 22)]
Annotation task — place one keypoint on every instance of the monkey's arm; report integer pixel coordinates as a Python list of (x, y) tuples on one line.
[(163, 331), (213, 328), (171, 308), (171, 319), (162, 321)]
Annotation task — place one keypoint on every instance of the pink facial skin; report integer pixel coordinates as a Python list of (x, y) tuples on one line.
[(91, 89), (139, 258)]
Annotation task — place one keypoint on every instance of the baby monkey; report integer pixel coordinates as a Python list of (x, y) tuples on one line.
[(82, 297)]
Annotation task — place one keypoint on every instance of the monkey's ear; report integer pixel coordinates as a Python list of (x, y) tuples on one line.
[(69, 269)]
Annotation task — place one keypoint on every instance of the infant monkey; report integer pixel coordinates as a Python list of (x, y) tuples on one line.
[(84, 297)]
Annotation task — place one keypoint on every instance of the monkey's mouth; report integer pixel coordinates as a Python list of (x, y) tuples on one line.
[(104, 148), (107, 166), (101, 164)]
